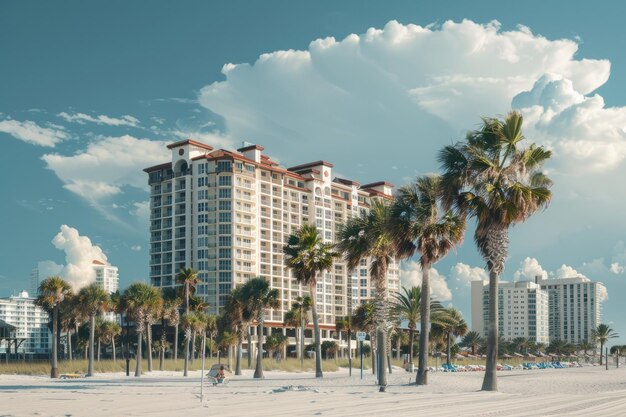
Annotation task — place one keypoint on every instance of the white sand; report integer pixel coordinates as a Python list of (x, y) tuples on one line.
[(590, 391)]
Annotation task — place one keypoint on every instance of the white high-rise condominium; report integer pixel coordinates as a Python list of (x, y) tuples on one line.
[(227, 214), (522, 312), (106, 276), (575, 308), (31, 323)]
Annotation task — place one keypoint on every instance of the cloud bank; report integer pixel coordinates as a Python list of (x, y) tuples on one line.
[(82, 118), (79, 256), (411, 276)]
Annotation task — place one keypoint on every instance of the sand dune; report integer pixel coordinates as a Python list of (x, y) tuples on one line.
[(588, 391)]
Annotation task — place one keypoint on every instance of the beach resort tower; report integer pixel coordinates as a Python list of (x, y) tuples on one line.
[(523, 310), (107, 276), (575, 307), (227, 214), (30, 325)]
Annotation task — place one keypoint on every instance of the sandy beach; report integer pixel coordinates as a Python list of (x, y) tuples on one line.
[(589, 391)]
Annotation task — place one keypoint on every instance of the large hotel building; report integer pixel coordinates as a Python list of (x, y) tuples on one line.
[(566, 309), (227, 214)]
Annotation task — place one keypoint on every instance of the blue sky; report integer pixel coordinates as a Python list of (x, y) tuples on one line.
[(90, 91)]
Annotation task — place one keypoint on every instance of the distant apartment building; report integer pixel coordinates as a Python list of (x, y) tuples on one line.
[(572, 308), (227, 214), (575, 307), (522, 310), (30, 321), (106, 276)]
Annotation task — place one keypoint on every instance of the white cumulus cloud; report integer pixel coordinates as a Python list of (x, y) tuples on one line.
[(530, 268), (79, 256), (411, 276), (466, 274), (566, 271), (82, 118), (32, 133), (105, 167), (616, 268)]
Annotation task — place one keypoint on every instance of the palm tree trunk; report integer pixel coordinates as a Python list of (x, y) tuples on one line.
[(601, 350), (490, 382), (382, 356), (448, 350), (350, 350), (297, 344), (249, 347), (373, 351), (138, 355), (411, 343), (316, 330), (186, 366), (163, 341), (99, 349), (398, 346), (54, 371), (238, 359), (175, 342), (69, 344), (193, 346), (113, 346), (149, 345), (258, 371), (422, 368), (92, 333)]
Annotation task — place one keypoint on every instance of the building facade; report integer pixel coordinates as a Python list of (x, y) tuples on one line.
[(522, 310), (106, 276), (227, 214), (31, 323), (575, 307)]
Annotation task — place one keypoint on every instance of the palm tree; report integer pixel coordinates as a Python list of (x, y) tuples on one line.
[(71, 316), (306, 256), (602, 334), (140, 301), (451, 321), (52, 292), (369, 237), (491, 178), (94, 300), (363, 320), (109, 330), (257, 296), (189, 278), (297, 318), (234, 316), (345, 324), (419, 225), (171, 313), (473, 341)]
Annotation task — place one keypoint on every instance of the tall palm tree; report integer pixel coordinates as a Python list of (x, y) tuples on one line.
[(420, 225), (451, 321), (345, 324), (109, 330), (140, 301), (602, 334), (52, 292), (473, 341), (171, 313), (297, 318), (307, 255), (363, 319), (189, 278), (237, 321), (94, 300), (493, 179), (71, 316), (369, 237), (257, 296)]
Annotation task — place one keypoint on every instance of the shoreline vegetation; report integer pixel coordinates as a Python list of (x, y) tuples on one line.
[(292, 365)]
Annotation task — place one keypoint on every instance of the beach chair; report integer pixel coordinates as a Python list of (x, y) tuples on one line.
[(212, 375)]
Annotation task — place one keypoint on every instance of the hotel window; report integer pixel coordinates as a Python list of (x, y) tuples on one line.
[(224, 166), (225, 205), (224, 241), (202, 181), (363, 272), (225, 180), (225, 217), (224, 193)]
